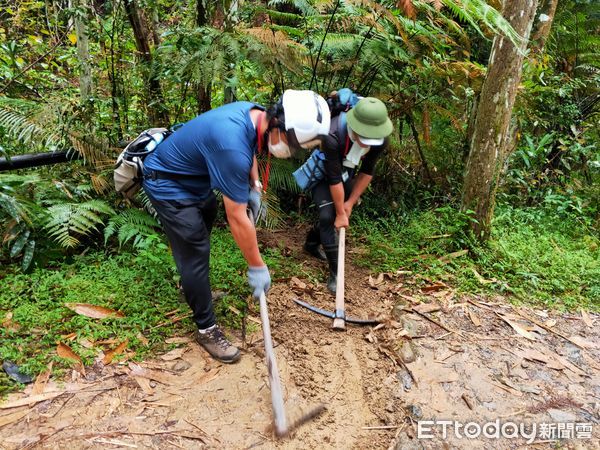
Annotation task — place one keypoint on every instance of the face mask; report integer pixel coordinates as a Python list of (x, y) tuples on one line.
[(351, 134), (279, 150)]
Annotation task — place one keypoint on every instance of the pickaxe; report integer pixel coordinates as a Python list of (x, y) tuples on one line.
[(281, 424), (339, 316)]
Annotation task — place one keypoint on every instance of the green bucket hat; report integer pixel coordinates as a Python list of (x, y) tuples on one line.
[(369, 118)]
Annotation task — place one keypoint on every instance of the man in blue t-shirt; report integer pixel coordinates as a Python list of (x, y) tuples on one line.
[(217, 150)]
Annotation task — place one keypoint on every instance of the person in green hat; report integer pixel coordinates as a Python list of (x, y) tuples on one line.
[(356, 140)]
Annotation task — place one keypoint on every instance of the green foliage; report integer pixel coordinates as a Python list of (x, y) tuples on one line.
[(133, 225), (69, 222), (143, 286), (535, 255)]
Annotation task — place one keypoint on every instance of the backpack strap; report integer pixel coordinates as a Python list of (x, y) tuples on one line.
[(343, 129)]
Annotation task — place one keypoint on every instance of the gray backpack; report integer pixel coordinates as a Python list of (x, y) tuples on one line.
[(129, 169)]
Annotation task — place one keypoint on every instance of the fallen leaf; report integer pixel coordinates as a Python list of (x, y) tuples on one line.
[(178, 340), (587, 319), (85, 343), (173, 354), (425, 308), (41, 381), (582, 342), (434, 287), (374, 282), (143, 340), (480, 278), (474, 318), (64, 351), (94, 311), (8, 322), (30, 400), (297, 283), (453, 255), (138, 371), (403, 272), (144, 384), (110, 355), (517, 327), (10, 418)]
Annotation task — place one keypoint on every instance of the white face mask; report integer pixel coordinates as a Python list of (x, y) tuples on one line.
[(279, 150), (351, 134)]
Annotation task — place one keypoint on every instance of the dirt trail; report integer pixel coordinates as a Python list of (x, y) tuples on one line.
[(470, 366)]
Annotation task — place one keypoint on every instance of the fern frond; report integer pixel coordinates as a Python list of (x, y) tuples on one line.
[(131, 224), (22, 119), (70, 221)]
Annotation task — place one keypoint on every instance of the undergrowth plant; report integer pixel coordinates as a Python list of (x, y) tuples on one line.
[(536, 256), (143, 285)]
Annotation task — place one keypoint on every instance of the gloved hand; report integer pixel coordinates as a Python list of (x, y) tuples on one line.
[(254, 205), (259, 280)]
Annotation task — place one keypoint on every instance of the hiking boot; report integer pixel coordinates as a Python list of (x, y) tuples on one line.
[(315, 250), (332, 283), (216, 344)]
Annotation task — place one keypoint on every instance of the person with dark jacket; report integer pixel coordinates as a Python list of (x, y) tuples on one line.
[(217, 151), (356, 140)]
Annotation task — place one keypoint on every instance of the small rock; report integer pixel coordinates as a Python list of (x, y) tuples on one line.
[(411, 327), (574, 353), (490, 405), (562, 416), (406, 379), (414, 411), (524, 364), (398, 310), (407, 353), (181, 365)]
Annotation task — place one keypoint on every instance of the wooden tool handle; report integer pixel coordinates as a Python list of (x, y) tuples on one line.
[(339, 323), (281, 427)]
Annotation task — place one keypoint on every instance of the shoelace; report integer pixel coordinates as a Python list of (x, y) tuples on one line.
[(220, 338)]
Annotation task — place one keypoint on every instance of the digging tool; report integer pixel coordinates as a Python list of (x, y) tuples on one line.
[(279, 418), (339, 320), (331, 314), (339, 315)]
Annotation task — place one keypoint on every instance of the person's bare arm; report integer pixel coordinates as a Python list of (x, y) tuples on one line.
[(243, 231), (337, 194)]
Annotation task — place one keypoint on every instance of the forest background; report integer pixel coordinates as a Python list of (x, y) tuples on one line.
[(80, 78)]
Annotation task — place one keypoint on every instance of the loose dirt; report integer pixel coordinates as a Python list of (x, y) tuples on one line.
[(436, 356)]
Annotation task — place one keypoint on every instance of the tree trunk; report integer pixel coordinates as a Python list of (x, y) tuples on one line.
[(231, 18), (83, 54), (203, 97), (156, 104), (488, 147), (543, 24)]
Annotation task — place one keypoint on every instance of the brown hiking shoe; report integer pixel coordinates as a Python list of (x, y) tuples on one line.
[(214, 342)]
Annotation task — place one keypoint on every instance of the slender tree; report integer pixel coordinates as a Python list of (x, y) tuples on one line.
[(543, 24), (157, 111), (83, 54), (489, 143)]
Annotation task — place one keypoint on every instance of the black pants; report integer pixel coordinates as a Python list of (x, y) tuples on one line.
[(187, 224), (324, 230)]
